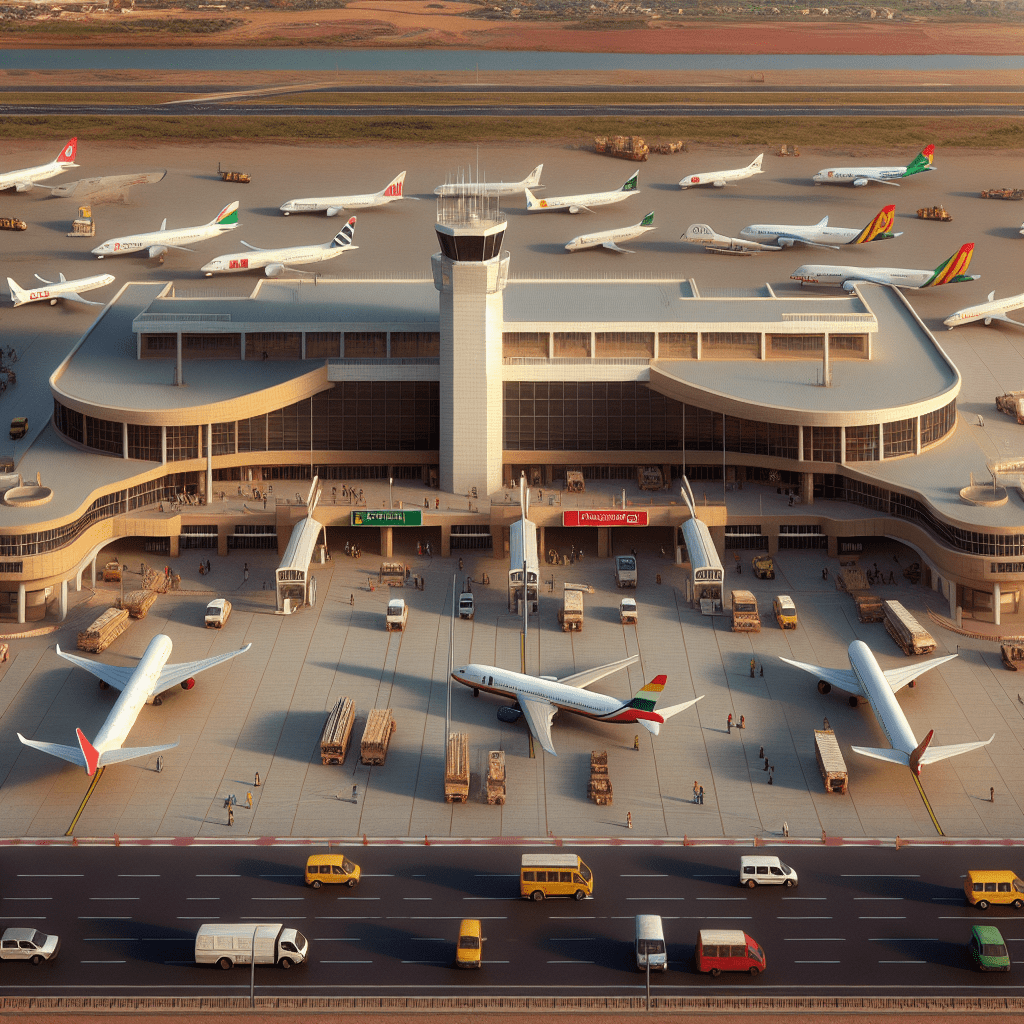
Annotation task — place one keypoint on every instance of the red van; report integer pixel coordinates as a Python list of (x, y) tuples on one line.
[(720, 949)]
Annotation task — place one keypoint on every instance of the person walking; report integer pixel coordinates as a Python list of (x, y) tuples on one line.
[(256, 784), (355, 794), (245, 575), (231, 816), (207, 567), (629, 819), (785, 829), (762, 669), (992, 794), (696, 793), (248, 799), (765, 763), (264, 503), (743, 722), (701, 796), (752, 667), (761, 754), (728, 724), (636, 742)]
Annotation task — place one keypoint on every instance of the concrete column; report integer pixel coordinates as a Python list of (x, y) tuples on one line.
[(21, 604), (800, 442), (62, 601), (175, 546), (92, 570), (386, 541), (78, 580), (180, 379), (996, 594), (163, 445), (209, 463), (593, 345), (880, 443), (604, 541), (124, 439), (541, 545), (243, 346), (807, 488), (917, 435), (764, 345), (222, 541), (446, 540), (826, 368), (700, 338), (842, 446), (85, 430), (952, 599), (304, 344)]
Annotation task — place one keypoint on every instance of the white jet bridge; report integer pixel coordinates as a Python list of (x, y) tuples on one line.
[(295, 586), (706, 577)]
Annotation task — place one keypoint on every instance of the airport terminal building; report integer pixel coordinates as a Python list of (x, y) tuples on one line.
[(467, 378)]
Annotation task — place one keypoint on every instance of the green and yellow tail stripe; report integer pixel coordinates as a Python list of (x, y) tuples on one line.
[(646, 699), (921, 162), (229, 215), (953, 268), (879, 227)]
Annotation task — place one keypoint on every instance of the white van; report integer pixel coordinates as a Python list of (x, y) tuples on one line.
[(650, 943), (229, 944), (766, 871)]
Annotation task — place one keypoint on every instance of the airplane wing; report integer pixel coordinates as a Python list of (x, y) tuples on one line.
[(592, 675), (842, 679), (130, 753), (75, 297), (117, 676), (65, 753), (897, 678), (1005, 319), (614, 247), (538, 714), (255, 248), (174, 675), (881, 181), (933, 754), (183, 248)]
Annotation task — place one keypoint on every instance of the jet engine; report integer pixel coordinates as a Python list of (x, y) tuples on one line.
[(333, 211), (859, 182), (511, 715), (157, 250), (274, 269), (575, 209), (848, 286), (824, 687), (187, 684)]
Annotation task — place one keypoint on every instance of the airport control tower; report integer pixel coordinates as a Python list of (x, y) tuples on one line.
[(470, 273)]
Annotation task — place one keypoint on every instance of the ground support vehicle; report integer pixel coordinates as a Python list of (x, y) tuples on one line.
[(12, 224), (869, 608), (627, 147), (335, 738), (391, 574), (19, 427), (599, 789), (1012, 656), (625, 571), (229, 944), (745, 618), (83, 226), (984, 888), (788, 149), (574, 482), (467, 605), (721, 949), (240, 177), (544, 875), (912, 637), (496, 777), (570, 615), (218, 612), (138, 602), (758, 870), (785, 611), (934, 213), (1002, 193), (763, 566), (628, 611), (830, 761), (112, 572), (104, 630), (651, 952), (397, 615), (456, 768), (28, 944), (1012, 403), (377, 736)]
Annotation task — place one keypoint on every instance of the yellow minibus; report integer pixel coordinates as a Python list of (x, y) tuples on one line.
[(543, 875)]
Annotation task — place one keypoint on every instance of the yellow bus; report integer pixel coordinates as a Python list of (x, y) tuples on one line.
[(543, 875)]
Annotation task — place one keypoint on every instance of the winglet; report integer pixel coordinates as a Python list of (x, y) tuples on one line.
[(89, 752)]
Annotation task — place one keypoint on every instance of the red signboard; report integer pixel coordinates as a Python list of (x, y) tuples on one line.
[(604, 517)]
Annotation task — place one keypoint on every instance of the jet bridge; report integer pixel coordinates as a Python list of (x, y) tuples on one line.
[(295, 586), (706, 578)]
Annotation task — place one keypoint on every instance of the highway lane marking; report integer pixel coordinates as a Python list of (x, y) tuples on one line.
[(19, 917), (881, 919), (644, 899), (903, 961), (971, 917), (817, 961), (22, 899), (203, 899), (902, 938), (813, 940), (113, 897), (574, 938), (364, 899), (51, 876), (570, 961), (418, 939), (290, 874), (198, 918), (421, 899), (803, 919), (717, 917), (424, 961), (331, 938), (116, 938), (891, 899), (220, 876), (103, 961), (403, 918), (262, 917), (510, 899), (347, 961), (717, 898), (495, 874), (805, 898), (633, 876), (277, 899), (104, 917), (880, 876), (138, 876), (351, 917)]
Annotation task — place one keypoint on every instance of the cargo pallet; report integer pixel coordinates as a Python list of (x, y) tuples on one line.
[(337, 734), (380, 725)]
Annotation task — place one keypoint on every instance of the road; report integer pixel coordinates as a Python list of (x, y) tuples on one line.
[(862, 922), (232, 109)]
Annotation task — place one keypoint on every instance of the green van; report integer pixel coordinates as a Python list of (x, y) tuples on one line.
[(988, 951)]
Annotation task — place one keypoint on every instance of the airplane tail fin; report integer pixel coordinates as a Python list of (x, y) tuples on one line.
[(345, 235), (229, 215), (19, 296), (533, 178), (532, 202), (756, 163), (394, 190), (951, 271), (645, 702), (648, 220), (921, 162), (67, 154), (879, 227), (631, 184)]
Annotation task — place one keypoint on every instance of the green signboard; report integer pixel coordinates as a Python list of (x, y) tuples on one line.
[(387, 517)]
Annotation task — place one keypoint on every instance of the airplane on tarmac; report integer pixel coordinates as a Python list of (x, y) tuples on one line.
[(865, 680), (994, 309), (539, 697), (22, 181), (950, 271), (158, 242), (335, 205), (140, 685), (859, 176), (491, 188), (774, 237), (276, 261), (609, 239), (62, 289), (722, 178), (583, 202)]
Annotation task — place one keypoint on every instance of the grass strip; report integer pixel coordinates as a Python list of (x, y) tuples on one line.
[(840, 133)]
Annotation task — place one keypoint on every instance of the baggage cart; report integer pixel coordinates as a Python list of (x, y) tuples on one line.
[(599, 789), (241, 177), (337, 734), (456, 768), (830, 761), (496, 777), (104, 631), (912, 637), (377, 736)]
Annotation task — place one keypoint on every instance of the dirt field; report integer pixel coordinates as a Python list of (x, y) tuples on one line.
[(425, 23)]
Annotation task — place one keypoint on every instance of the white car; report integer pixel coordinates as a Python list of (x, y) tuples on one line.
[(217, 612), (28, 944)]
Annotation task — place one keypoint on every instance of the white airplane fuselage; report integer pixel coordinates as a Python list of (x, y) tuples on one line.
[(852, 175), (994, 309), (61, 289), (491, 188), (334, 205), (11, 179), (138, 692), (609, 238), (505, 683), (881, 698), (721, 178), (787, 234), (838, 277), (256, 259), (165, 237)]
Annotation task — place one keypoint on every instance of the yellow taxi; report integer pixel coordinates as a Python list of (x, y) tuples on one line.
[(469, 950), (331, 869)]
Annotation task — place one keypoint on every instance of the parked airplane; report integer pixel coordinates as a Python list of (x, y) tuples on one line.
[(491, 188), (883, 175), (539, 697), (950, 271), (23, 180), (62, 289), (773, 237), (158, 242), (583, 202), (276, 261), (140, 685), (609, 239), (106, 188), (337, 204), (994, 309), (721, 178), (864, 679)]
